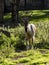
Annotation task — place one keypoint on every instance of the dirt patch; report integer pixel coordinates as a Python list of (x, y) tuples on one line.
[(20, 64), (17, 57), (43, 51)]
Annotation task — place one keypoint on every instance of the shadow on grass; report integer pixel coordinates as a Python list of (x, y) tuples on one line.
[(42, 45), (8, 21), (34, 17)]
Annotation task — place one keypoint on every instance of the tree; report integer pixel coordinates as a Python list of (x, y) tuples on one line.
[(25, 4), (43, 4), (1, 10), (15, 10)]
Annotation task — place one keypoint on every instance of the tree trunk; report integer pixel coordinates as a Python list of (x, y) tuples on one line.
[(15, 6), (25, 4), (1, 10), (43, 4)]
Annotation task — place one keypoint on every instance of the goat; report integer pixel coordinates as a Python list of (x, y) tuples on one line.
[(30, 30)]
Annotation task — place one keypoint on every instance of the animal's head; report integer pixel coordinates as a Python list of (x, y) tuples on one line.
[(25, 21)]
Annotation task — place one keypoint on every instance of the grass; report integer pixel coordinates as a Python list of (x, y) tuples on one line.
[(7, 16), (35, 57), (31, 57), (36, 15)]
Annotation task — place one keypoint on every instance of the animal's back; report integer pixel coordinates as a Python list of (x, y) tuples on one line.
[(31, 29)]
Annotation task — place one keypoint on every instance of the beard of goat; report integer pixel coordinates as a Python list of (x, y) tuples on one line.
[(29, 35)]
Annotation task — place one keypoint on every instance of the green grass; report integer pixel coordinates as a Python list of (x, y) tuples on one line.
[(7, 16), (31, 57), (36, 15)]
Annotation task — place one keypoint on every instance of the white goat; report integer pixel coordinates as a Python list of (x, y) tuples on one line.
[(29, 34)]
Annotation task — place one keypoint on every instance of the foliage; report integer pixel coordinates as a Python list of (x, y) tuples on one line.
[(31, 57), (7, 16), (42, 34), (17, 38), (16, 41), (5, 46)]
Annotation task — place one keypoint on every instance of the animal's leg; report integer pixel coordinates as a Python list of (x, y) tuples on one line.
[(30, 45), (27, 46), (32, 42)]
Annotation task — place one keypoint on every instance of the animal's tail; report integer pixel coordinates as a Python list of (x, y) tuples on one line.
[(31, 28)]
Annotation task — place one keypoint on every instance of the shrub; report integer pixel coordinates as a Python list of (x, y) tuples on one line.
[(18, 38), (42, 34), (5, 47)]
